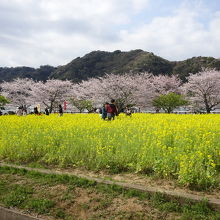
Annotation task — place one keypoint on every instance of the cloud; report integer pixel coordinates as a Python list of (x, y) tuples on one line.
[(176, 37), (35, 32), (38, 32)]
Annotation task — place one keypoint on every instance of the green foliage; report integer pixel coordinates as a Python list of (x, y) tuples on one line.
[(82, 104), (40, 206), (169, 102), (60, 213), (189, 210), (3, 101), (17, 195)]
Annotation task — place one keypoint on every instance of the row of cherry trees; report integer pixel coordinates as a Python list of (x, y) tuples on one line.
[(202, 89)]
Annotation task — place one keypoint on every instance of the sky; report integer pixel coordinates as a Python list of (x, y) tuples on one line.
[(54, 32)]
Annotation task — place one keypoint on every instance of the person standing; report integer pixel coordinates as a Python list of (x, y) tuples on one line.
[(104, 110), (36, 111), (112, 110), (24, 110), (46, 111), (127, 111), (20, 112), (60, 110)]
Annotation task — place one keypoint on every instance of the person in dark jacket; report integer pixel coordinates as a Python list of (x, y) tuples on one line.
[(46, 111), (104, 110), (36, 111), (60, 110)]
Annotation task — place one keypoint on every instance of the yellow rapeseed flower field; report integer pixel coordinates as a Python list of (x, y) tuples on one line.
[(184, 147)]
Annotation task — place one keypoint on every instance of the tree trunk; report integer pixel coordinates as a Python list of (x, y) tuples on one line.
[(207, 107), (51, 107), (208, 110)]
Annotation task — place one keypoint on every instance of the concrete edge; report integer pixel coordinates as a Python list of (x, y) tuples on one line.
[(11, 214), (181, 197)]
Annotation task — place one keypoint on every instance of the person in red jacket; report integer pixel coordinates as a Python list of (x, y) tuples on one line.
[(112, 110)]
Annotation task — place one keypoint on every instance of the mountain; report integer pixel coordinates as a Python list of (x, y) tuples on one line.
[(98, 63)]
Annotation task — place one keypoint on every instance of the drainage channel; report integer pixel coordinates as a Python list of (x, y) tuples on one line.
[(182, 197)]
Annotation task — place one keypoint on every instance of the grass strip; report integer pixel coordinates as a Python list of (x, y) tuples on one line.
[(22, 196)]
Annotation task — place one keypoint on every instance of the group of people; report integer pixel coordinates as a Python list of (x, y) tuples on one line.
[(47, 112), (60, 110), (37, 112), (109, 110)]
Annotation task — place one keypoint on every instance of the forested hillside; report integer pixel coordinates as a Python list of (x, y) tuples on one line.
[(98, 63)]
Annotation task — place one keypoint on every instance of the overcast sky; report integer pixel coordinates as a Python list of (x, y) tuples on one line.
[(54, 32)]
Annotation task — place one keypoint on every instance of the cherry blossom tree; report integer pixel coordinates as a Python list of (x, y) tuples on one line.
[(123, 88), (127, 89), (203, 89), (151, 87), (164, 84), (18, 91), (87, 90), (145, 90), (52, 92)]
